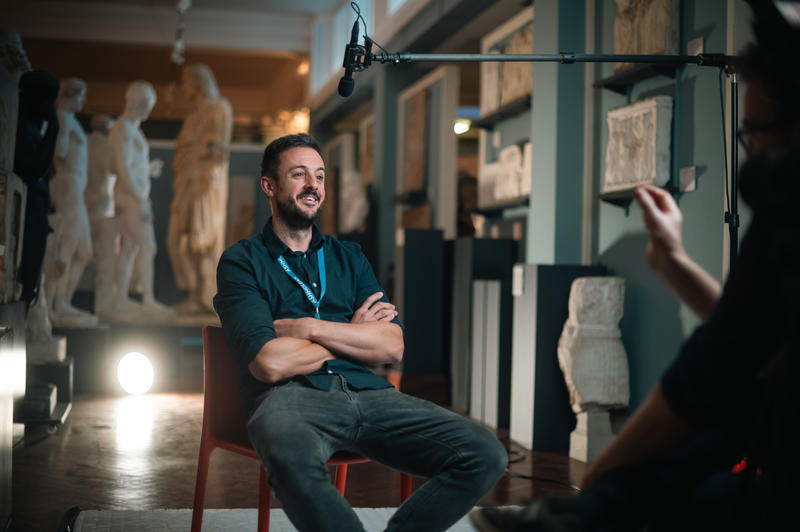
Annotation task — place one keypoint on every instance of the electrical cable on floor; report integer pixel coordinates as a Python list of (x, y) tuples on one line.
[(516, 457)]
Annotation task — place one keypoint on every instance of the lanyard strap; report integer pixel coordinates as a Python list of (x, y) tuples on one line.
[(306, 290)]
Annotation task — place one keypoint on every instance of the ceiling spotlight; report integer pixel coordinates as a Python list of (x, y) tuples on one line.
[(135, 373), (302, 68), (461, 126)]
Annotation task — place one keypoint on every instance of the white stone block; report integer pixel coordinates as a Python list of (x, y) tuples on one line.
[(592, 434)]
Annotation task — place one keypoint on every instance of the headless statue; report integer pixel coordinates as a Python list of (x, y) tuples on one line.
[(73, 250), (196, 234), (99, 197), (130, 160)]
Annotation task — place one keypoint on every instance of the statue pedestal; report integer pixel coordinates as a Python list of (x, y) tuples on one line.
[(592, 434), (53, 349)]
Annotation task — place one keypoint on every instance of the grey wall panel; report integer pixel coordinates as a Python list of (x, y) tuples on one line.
[(541, 416)]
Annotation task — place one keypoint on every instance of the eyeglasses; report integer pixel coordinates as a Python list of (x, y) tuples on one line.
[(745, 134)]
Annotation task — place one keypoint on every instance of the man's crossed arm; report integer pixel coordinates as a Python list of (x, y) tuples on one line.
[(304, 344)]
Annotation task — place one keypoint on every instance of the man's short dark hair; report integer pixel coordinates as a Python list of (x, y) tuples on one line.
[(272, 154), (773, 60)]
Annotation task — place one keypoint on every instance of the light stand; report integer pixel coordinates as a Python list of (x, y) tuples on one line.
[(358, 58)]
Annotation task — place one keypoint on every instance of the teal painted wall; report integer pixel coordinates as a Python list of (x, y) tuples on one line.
[(655, 324), (557, 117), (569, 135)]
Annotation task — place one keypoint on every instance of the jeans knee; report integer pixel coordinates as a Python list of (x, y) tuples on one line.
[(487, 457), (294, 469), (495, 456)]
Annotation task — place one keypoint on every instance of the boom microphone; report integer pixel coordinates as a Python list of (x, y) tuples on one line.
[(346, 84)]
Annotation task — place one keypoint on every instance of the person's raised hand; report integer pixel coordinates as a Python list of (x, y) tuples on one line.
[(372, 309), (664, 222)]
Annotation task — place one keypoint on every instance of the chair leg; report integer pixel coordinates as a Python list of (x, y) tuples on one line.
[(200, 486), (263, 501), (341, 478), (405, 487)]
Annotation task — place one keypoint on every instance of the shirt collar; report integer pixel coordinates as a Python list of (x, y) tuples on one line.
[(275, 245)]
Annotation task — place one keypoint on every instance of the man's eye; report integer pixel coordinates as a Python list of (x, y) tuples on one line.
[(297, 174), (320, 177)]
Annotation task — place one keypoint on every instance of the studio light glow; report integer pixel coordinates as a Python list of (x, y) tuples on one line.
[(135, 373), (461, 126)]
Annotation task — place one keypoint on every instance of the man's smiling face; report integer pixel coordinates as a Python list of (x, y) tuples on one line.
[(299, 189)]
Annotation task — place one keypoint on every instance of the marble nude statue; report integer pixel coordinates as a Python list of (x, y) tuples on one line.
[(99, 197), (130, 161), (73, 251)]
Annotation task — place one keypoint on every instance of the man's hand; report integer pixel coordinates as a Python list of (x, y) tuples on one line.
[(299, 328), (374, 310), (666, 255), (664, 221)]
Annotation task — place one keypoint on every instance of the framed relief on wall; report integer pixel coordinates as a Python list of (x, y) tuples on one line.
[(503, 83), (366, 149), (427, 153), (504, 156), (346, 206)]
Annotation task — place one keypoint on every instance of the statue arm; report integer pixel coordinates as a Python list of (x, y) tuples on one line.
[(62, 140)]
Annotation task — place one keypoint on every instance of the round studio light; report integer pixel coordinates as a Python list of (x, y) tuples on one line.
[(135, 373)]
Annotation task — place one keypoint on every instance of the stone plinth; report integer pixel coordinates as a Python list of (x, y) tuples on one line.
[(592, 434)]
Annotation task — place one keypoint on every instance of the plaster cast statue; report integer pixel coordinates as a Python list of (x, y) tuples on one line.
[(37, 131), (590, 349), (593, 359), (40, 345), (99, 197), (130, 161), (74, 249), (196, 234)]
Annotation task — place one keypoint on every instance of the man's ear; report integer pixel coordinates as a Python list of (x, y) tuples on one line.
[(268, 186)]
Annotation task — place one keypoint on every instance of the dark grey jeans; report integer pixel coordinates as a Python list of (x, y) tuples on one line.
[(296, 428)]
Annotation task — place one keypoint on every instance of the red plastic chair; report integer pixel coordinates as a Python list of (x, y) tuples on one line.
[(224, 425)]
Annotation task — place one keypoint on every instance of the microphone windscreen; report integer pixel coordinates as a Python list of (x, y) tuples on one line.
[(346, 87)]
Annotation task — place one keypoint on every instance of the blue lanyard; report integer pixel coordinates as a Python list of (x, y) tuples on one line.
[(306, 290)]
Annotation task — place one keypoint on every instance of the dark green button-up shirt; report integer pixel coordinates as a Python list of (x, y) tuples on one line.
[(253, 290)]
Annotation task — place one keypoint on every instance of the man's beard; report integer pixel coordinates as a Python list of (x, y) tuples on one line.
[(293, 217)]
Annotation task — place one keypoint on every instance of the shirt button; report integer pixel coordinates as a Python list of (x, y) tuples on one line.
[(329, 371)]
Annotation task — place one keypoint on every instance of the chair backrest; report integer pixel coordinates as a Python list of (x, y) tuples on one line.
[(222, 411)]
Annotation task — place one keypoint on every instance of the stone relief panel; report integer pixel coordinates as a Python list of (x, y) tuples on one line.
[(517, 78), (638, 149), (508, 180), (645, 27), (415, 160)]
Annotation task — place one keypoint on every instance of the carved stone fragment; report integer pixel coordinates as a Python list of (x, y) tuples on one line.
[(645, 27), (638, 146)]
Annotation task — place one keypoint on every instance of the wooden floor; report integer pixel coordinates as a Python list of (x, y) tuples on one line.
[(134, 453)]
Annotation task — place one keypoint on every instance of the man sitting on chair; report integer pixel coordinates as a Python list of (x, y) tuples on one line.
[(303, 314)]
